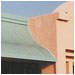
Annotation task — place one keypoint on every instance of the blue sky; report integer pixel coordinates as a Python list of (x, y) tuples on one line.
[(29, 8)]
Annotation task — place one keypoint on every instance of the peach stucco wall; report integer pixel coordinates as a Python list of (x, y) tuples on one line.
[(56, 33), (43, 29), (65, 35)]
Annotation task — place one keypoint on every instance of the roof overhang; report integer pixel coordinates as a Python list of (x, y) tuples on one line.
[(17, 41)]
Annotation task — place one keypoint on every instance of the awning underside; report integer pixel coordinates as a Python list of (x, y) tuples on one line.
[(17, 42)]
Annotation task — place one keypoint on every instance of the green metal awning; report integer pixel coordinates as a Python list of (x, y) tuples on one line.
[(17, 41)]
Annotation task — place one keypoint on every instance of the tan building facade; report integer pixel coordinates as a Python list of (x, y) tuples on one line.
[(38, 45), (55, 32)]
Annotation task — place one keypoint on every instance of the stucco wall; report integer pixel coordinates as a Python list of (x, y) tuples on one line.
[(56, 32), (65, 34), (43, 29)]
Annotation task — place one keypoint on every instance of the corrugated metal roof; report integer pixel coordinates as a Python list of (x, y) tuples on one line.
[(17, 42)]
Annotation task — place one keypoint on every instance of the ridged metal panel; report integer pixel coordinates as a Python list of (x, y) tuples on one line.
[(17, 41)]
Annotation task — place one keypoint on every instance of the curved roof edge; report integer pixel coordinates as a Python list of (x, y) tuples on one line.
[(14, 18), (18, 41)]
